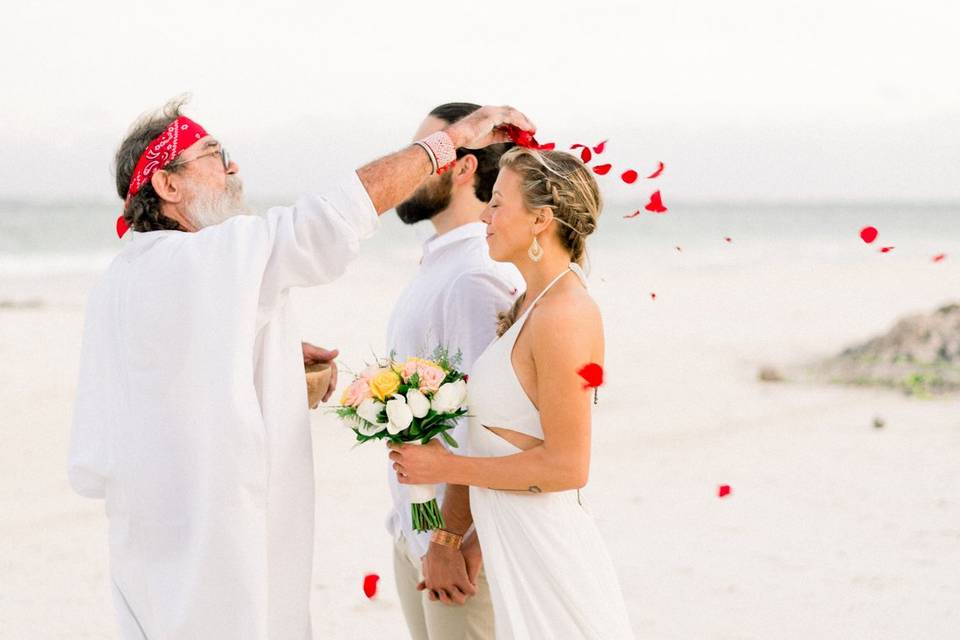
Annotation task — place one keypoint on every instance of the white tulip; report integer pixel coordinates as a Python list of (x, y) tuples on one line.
[(419, 403), (450, 397), (370, 410), (399, 415)]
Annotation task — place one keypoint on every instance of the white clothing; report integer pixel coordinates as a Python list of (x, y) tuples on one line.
[(549, 572), (453, 301), (191, 419)]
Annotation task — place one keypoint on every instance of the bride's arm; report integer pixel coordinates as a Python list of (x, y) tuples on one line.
[(563, 339)]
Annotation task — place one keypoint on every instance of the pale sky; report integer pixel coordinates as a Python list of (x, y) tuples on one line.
[(756, 99)]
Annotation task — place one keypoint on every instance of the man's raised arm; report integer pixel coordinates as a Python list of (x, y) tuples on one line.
[(391, 179)]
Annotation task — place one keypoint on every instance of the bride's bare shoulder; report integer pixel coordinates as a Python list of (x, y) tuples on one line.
[(568, 310)]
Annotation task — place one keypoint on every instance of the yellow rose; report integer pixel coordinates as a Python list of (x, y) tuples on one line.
[(384, 384)]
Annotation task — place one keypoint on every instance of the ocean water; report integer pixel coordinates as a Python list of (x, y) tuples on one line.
[(71, 237)]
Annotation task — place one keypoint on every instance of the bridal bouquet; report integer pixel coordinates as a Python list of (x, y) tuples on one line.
[(408, 402)]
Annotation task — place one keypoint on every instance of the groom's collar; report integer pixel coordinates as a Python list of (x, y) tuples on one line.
[(469, 230)]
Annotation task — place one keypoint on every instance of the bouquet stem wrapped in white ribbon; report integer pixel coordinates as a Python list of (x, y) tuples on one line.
[(408, 402)]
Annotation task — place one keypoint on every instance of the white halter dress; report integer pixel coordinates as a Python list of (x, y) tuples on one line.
[(549, 572)]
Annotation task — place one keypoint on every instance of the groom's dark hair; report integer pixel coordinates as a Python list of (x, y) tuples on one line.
[(488, 158)]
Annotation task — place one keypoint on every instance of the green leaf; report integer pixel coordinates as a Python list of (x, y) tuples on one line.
[(450, 441)]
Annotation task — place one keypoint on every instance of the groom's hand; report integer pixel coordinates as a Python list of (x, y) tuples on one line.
[(472, 556), (317, 355), (445, 575)]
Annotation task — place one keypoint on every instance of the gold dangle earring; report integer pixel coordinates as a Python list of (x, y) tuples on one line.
[(535, 251)]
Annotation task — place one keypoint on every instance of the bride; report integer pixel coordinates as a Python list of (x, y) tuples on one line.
[(529, 431)]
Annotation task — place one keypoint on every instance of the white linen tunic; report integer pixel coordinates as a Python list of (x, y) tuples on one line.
[(191, 419)]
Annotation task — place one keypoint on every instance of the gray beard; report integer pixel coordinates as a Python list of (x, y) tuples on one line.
[(208, 208)]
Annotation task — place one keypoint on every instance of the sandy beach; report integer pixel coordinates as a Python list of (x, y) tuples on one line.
[(834, 529)]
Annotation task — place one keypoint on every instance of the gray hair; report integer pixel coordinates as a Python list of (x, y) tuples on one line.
[(143, 212)]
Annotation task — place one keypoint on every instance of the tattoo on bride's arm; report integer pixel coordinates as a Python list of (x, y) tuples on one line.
[(531, 489)]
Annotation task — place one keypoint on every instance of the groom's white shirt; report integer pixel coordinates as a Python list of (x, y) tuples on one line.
[(453, 301), (191, 419)]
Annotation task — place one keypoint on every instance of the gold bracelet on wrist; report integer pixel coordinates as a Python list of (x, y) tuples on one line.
[(446, 538)]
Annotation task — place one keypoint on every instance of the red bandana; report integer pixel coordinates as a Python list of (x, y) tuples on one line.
[(162, 150)]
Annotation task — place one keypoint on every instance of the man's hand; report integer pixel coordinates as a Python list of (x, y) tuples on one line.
[(485, 126), (472, 556), (318, 355), (445, 575)]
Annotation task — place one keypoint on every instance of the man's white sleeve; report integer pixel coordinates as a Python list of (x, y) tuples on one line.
[(311, 242)]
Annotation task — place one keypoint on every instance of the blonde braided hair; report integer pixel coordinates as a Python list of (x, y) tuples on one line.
[(561, 182)]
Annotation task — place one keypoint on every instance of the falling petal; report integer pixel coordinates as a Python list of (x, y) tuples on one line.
[(633, 215), (600, 147), (656, 173), (122, 227), (653, 296), (678, 248), (727, 239), (868, 234), (629, 176), (601, 169), (656, 204), (592, 373), (370, 584), (585, 155), (724, 490), (940, 257), (886, 249), (549, 146)]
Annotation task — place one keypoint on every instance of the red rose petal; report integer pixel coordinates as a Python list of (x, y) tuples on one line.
[(122, 227), (585, 155), (370, 584), (653, 296), (600, 147), (868, 234), (656, 173), (592, 373), (633, 215), (724, 490), (629, 176), (886, 249), (550, 146), (520, 137), (728, 239), (601, 169), (940, 257), (656, 204)]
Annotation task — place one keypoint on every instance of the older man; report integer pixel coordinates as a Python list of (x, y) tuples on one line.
[(191, 419)]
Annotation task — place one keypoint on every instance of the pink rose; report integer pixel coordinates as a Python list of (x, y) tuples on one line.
[(431, 374), (409, 368), (430, 377), (356, 393)]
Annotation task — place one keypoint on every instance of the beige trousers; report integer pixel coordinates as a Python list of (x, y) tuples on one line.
[(428, 620)]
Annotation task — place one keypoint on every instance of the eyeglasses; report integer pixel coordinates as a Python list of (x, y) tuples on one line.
[(224, 158)]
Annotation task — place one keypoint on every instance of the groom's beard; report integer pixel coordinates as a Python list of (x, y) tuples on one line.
[(427, 201), (207, 207)]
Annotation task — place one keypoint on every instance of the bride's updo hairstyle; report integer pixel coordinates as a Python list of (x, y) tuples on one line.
[(563, 183)]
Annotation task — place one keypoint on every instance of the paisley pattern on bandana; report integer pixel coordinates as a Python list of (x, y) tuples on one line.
[(164, 149)]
